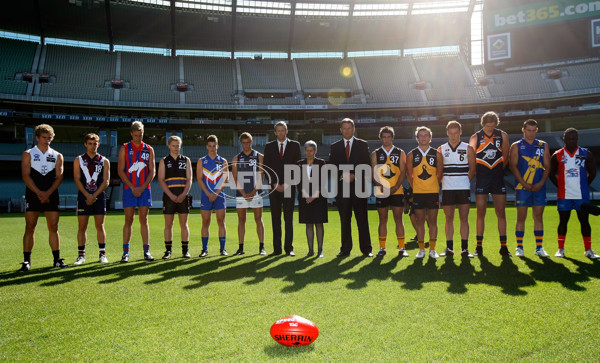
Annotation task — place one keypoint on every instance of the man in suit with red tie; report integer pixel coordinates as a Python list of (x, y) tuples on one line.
[(347, 154), (278, 154)]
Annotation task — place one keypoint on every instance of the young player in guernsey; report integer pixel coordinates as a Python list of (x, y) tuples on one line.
[(247, 173), (212, 177), (529, 163), (91, 172), (136, 170), (492, 148), (389, 170), (459, 169), (424, 167), (573, 168), (42, 172), (175, 179)]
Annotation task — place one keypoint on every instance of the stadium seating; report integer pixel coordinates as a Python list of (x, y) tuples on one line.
[(391, 86), (520, 83), (80, 73), (326, 73), (213, 80), (581, 76), (150, 78), (17, 57), (267, 74)]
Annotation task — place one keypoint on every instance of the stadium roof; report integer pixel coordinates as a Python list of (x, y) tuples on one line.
[(247, 25)]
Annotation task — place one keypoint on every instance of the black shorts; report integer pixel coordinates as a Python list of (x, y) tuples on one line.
[(96, 209), (396, 200), (170, 207), (33, 204), (453, 197), (489, 183), (426, 201)]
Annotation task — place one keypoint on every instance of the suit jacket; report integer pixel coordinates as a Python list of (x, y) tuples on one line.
[(317, 165), (359, 154), (274, 164)]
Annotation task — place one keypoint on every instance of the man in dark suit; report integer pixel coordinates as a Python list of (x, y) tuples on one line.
[(349, 153), (278, 154)]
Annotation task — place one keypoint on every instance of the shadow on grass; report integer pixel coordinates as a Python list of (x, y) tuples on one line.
[(547, 270), (276, 350)]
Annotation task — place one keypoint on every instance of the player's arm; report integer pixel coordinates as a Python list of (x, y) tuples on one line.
[(60, 169), (513, 165), (261, 175), (234, 176), (105, 177), (26, 173), (375, 169), (225, 177), (122, 166), (505, 147), (77, 179), (409, 169), (553, 169), (590, 164), (402, 164), (472, 158), (200, 178), (151, 168), (161, 180), (473, 142), (440, 165), (537, 186)]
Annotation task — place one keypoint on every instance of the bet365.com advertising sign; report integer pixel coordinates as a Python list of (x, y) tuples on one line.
[(540, 13)]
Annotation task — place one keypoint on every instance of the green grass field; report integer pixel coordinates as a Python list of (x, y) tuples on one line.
[(221, 308)]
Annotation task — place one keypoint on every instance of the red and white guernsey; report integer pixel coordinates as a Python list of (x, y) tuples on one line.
[(572, 174)]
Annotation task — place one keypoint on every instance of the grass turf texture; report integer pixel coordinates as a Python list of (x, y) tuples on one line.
[(221, 308)]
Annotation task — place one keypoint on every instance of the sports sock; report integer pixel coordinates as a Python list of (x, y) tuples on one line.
[(81, 250), (146, 248), (503, 241), (539, 239), (432, 243), (241, 247), (102, 248), (261, 245), (464, 244), (382, 241), (168, 245), (184, 246), (205, 243), (400, 242), (27, 256), (479, 241), (519, 235), (587, 243), (421, 245), (450, 244), (125, 248), (222, 242), (561, 242), (56, 254)]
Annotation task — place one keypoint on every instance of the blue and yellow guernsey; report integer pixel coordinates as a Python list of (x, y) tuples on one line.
[(531, 162), (212, 172), (175, 173)]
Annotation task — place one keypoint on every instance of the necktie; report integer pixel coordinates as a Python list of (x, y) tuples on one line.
[(348, 150), (281, 150)]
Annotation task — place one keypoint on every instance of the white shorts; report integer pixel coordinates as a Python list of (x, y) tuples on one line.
[(256, 202)]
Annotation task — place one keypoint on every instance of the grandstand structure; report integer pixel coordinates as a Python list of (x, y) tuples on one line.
[(227, 67)]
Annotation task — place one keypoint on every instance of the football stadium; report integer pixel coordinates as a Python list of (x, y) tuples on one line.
[(279, 89)]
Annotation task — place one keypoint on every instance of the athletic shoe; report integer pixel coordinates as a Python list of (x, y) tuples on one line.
[(466, 253), (504, 251), (25, 266), (79, 260), (560, 253), (381, 252), (148, 257), (591, 254), (433, 254), (519, 252), (478, 251), (239, 252), (540, 252), (204, 253), (186, 254), (125, 257), (223, 252), (59, 263), (320, 254), (262, 252), (103, 259), (447, 252), (402, 252), (167, 255), (421, 254)]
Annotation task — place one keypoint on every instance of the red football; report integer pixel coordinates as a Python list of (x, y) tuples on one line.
[(294, 331)]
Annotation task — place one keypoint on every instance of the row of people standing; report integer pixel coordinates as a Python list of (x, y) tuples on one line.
[(454, 164)]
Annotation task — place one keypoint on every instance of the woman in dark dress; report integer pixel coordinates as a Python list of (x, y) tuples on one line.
[(312, 204)]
